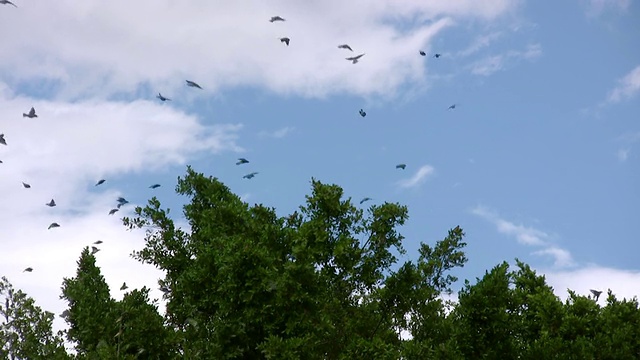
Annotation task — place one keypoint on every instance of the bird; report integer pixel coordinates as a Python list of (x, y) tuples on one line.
[(51, 203), (285, 40), (7, 2), (100, 182), (276, 18), (423, 53), (437, 55), (452, 107), (29, 269), (124, 286), (122, 204), (122, 200), (354, 59), (193, 84), (113, 211), (2, 140), (26, 186), (365, 199), (98, 242), (94, 250), (345, 46), (53, 225), (31, 114), (0, 161), (362, 113), (162, 98), (154, 186), (242, 161), (596, 293), (250, 176), (401, 166)]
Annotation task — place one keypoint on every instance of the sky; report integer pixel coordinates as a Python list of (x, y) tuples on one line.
[(539, 159)]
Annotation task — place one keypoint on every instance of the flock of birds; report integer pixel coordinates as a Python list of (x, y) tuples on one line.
[(122, 201)]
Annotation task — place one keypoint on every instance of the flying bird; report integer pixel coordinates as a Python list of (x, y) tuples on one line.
[(100, 182), (29, 269), (423, 53), (193, 84), (437, 55), (362, 113), (94, 250), (276, 18), (124, 286), (51, 203), (596, 293), (242, 161), (354, 59), (250, 176), (31, 114), (365, 199), (7, 2), (98, 242), (162, 98), (53, 225), (345, 46), (2, 140), (285, 40), (26, 186), (113, 211), (154, 186), (401, 166), (452, 107), (121, 200)]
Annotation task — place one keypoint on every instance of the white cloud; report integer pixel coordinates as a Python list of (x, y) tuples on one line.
[(627, 87), (479, 43), (526, 236), (277, 134), (623, 154), (418, 178), (597, 7), (110, 47), (494, 63)]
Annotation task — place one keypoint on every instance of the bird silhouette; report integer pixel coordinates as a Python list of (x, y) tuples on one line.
[(401, 166), (276, 18), (2, 140), (423, 53), (100, 182), (242, 161), (437, 55), (31, 114), (53, 225), (365, 199), (193, 84), (26, 186), (154, 186), (452, 107), (98, 242), (162, 98), (250, 176), (94, 250), (596, 293), (362, 113), (354, 59), (122, 201), (51, 203), (124, 286), (7, 2), (29, 269), (285, 40), (345, 46), (113, 211)]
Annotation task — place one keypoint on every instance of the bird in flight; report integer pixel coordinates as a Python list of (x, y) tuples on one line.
[(276, 18), (94, 250), (162, 98), (51, 203), (193, 84), (401, 166), (53, 225), (124, 286), (596, 293), (354, 59), (437, 55), (98, 242), (7, 2), (452, 107), (31, 114), (26, 186), (365, 199), (113, 211), (100, 182), (285, 40), (345, 46), (154, 186), (2, 140), (122, 201), (29, 269), (362, 113), (250, 176), (242, 161)]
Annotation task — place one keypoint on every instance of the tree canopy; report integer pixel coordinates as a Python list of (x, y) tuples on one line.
[(322, 283)]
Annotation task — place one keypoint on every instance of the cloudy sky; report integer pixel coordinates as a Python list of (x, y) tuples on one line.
[(539, 160)]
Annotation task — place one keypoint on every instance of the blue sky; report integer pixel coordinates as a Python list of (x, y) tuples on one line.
[(538, 161)]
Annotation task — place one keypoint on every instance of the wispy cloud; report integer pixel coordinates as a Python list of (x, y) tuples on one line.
[(526, 236), (492, 64), (418, 178), (623, 154), (597, 7), (628, 140), (627, 87), (479, 43), (277, 134)]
